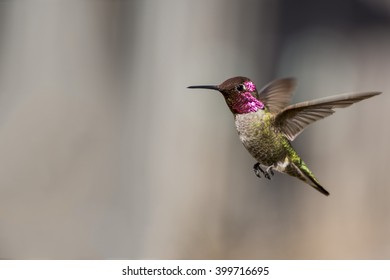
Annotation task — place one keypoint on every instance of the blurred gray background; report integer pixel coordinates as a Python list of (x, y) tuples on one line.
[(104, 153)]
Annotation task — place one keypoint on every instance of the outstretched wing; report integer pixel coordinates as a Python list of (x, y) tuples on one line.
[(277, 94), (293, 119)]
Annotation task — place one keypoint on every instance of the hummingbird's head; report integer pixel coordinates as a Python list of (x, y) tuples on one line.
[(239, 93)]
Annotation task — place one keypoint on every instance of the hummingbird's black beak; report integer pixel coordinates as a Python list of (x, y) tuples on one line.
[(205, 87)]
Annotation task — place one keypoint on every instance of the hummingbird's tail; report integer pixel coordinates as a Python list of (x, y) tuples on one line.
[(300, 170)]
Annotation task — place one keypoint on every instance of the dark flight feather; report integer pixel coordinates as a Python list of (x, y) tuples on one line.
[(293, 119), (277, 94)]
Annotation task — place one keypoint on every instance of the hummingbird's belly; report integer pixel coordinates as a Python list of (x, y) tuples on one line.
[(260, 138)]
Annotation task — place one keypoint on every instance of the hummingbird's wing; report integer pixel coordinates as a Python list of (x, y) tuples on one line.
[(293, 119), (277, 94)]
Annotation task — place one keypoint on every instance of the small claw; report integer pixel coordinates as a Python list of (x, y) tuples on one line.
[(257, 169), (266, 175), (269, 170)]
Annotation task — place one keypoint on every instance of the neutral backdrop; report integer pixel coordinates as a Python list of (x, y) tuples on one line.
[(104, 153)]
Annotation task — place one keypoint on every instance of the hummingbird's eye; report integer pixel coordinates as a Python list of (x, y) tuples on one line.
[(240, 87)]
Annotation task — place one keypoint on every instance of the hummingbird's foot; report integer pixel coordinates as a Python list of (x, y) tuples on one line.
[(269, 170), (258, 170)]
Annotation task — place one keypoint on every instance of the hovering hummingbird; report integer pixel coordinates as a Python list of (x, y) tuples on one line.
[(266, 123)]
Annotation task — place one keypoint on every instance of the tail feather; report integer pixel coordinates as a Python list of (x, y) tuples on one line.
[(301, 171)]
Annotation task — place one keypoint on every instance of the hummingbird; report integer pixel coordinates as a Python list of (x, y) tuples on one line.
[(267, 124)]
